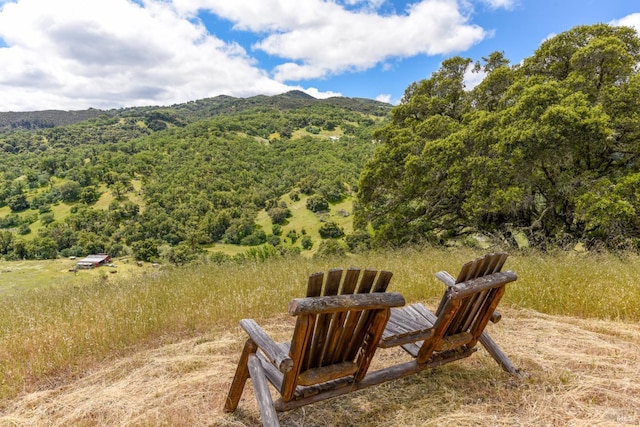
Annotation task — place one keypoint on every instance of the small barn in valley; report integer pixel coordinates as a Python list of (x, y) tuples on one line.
[(92, 261)]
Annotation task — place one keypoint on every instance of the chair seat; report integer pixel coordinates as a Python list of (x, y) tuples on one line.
[(408, 324)]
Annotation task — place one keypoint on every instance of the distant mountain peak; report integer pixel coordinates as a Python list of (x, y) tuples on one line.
[(297, 94)]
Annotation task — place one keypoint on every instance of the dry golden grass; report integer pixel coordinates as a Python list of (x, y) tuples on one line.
[(578, 373), (161, 349)]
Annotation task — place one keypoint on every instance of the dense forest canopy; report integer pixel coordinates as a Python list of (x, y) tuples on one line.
[(546, 151), (177, 178)]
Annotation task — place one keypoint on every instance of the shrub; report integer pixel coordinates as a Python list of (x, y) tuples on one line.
[(359, 241), (256, 238), (330, 230), (306, 242), (273, 240), (278, 214), (317, 204), (330, 248)]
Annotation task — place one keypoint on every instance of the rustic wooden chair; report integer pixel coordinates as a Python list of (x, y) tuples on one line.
[(335, 337), (452, 333)]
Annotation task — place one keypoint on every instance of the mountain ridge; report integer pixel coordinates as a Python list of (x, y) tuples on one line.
[(187, 111)]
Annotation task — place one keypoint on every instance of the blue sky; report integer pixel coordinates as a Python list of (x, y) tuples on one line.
[(75, 54)]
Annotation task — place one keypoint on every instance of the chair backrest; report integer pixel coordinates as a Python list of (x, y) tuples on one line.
[(468, 304), (338, 326)]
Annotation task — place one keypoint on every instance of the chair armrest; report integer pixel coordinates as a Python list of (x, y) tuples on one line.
[(345, 302), (271, 350), (446, 278)]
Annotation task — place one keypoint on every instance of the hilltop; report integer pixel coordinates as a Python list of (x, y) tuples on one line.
[(189, 111)]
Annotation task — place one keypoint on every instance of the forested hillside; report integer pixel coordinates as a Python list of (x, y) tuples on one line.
[(542, 153), (545, 153), (168, 182)]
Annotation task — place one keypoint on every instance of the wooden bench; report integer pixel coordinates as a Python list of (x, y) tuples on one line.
[(347, 315)]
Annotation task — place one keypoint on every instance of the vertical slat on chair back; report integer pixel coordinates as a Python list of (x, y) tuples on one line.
[(316, 344), (337, 337), (472, 306), (355, 328)]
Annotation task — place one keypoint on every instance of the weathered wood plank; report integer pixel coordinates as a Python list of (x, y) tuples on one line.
[(424, 312), (269, 347), (413, 348), (334, 277), (475, 303), (274, 376), (327, 373), (263, 396), (446, 278), (350, 281), (371, 379), (439, 327), (313, 358), (461, 290), (354, 328), (240, 377), (322, 333), (335, 303), (335, 334), (485, 313), (354, 341), (370, 341), (382, 283), (402, 319), (404, 338), (450, 342), (348, 322), (498, 355), (464, 272), (366, 282), (299, 344), (314, 285)]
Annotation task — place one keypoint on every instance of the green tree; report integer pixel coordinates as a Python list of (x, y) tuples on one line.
[(306, 242), (531, 149), (146, 250), (331, 248), (317, 204), (6, 242), (330, 230), (89, 194), (69, 191), (18, 203)]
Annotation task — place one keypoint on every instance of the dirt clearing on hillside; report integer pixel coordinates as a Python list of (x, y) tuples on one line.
[(578, 373)]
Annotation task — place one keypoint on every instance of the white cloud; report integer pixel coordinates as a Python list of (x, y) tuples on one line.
[(384, 97), (110, 53), (632, 20), (323, 38), (473, 78), (76, 54), (497, 4), (318, 94)]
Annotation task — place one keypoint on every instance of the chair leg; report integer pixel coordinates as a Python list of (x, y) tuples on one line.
[(241, 376), (261, 388), (498, 355)]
